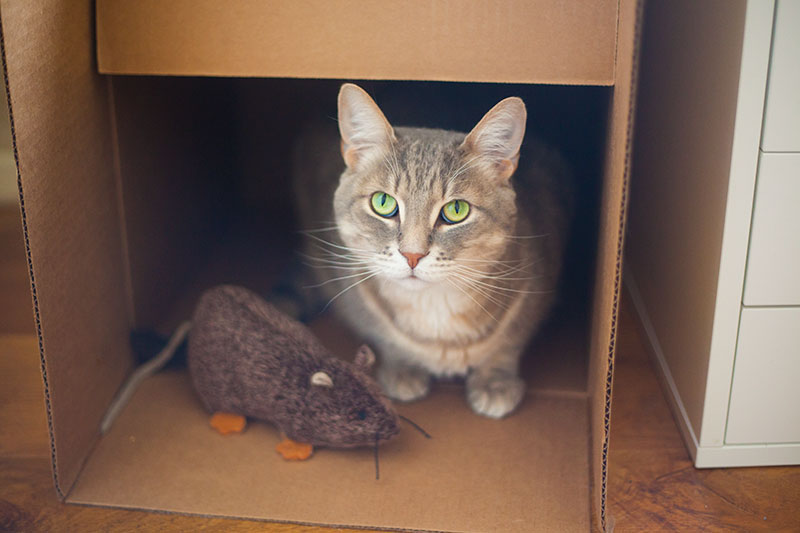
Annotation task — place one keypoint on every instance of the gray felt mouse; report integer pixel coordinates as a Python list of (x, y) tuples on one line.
[(248, 359)]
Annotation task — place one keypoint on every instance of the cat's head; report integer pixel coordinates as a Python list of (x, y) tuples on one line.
[(417, 206)]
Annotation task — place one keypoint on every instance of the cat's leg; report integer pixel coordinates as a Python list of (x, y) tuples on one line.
[(401, 380), (494, 389)]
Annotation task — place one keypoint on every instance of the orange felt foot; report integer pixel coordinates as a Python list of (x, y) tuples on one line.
[(227, 423), (294, 451)]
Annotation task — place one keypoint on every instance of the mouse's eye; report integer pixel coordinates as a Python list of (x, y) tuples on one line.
[(362, 415)]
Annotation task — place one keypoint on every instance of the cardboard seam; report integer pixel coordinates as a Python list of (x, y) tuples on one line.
[(618, 267), (589, 82), (123, 227), (29, 256)]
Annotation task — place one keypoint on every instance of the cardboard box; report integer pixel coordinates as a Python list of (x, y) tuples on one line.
[(135, 192)]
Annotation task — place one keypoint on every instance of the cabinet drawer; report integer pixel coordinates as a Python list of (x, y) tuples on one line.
[(773, 259), (781, 131), (765, 397)]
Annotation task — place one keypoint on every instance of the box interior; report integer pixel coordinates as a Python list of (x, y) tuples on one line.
[(204, 165)]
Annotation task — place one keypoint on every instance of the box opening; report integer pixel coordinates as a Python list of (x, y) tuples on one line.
[(128, 184), (207, 161), (205, 177)]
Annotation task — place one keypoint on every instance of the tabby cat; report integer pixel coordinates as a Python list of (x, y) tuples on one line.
[(442, 249)]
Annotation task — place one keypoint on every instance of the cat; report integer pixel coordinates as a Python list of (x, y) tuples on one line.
[(442, 253)]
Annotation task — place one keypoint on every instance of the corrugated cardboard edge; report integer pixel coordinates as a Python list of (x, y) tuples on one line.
[(95, 317), (29, 257), (627, 9)]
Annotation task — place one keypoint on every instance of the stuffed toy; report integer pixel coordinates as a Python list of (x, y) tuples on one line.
[(247, 359)]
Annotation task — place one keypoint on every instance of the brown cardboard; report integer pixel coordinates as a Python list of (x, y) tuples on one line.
[(680, 201), (137, 251), (60, 125), (162, 440), (540, 41)]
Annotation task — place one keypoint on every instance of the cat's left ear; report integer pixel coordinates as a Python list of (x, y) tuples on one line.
[(498, 136), (364, 129)]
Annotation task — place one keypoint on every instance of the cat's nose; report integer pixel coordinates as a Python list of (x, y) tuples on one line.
[(413, 258)]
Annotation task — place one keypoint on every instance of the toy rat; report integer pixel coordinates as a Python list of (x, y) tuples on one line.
[(248, 359)]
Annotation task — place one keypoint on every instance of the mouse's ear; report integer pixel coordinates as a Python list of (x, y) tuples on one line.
[(365, 357), (321, 379)]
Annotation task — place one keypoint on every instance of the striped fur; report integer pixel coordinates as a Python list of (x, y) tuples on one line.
[(485, 284)]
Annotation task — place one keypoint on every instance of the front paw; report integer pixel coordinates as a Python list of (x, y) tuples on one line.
[(494, 393), (404, 383)]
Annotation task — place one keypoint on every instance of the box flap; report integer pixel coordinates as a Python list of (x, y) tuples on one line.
[(609, 252), (510, 40), (61, 129)]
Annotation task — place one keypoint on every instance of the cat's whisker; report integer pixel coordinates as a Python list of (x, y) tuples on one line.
[(468, 295), (334, 245), (339, 267), (396, 161), (498, 274), (527, 236), (343, 258), (347, 289), (491, 261), (340, 278), (460, 170), (338, 258), (318, 230), (507, 289), (339, 255), (482, 292)]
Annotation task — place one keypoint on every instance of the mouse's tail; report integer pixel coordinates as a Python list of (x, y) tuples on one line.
[(143, 372), (147, 343)]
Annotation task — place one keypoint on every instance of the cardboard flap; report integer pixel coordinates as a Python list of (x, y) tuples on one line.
[(510, 40), (71, 220)]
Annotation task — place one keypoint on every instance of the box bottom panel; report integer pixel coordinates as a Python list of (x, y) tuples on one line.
[(528, 472)]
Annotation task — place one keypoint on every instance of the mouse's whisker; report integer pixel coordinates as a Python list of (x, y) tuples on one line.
[(415, 426), (377, 468)]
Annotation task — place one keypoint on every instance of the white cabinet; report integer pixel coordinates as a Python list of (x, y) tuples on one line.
[(713, 249), (773, 259), (765, 397), (782, 110)]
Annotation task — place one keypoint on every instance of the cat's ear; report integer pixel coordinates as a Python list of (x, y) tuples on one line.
[(498, 136), (362, 125)]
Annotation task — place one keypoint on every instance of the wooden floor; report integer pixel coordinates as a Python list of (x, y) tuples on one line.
[(652, 484)]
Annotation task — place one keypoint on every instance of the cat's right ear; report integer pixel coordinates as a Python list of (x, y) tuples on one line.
[(364, 129), (498, 136)]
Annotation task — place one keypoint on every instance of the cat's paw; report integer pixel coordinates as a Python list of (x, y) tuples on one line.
[(404, 383), (495, 393)]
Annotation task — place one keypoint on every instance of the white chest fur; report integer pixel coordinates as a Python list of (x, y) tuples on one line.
[(436, 314)]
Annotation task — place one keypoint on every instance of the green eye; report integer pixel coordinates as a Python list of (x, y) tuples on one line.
[(384, 205), (455, 211)]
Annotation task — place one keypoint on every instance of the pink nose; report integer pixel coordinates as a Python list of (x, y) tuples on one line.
[(412, 258)]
